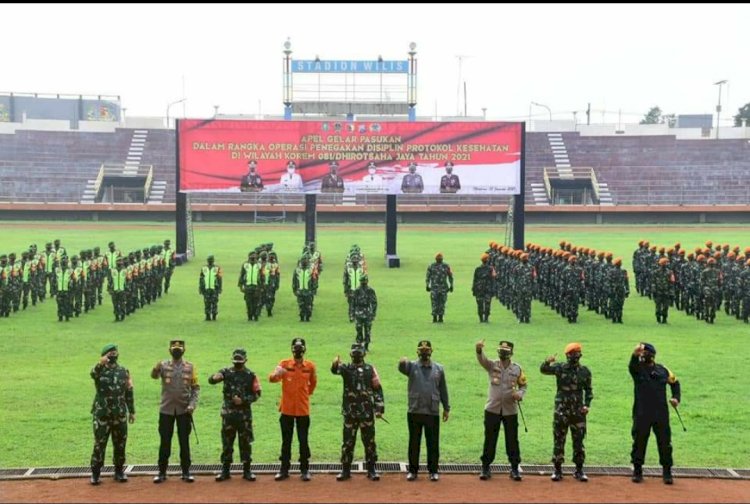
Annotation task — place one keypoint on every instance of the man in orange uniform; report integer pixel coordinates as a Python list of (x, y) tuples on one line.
[(298, 380)]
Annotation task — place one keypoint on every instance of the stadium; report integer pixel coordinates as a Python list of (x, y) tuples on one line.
[(75, 169)]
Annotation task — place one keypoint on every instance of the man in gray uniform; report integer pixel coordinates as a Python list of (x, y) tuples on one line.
[(179, 397), (427, 389)]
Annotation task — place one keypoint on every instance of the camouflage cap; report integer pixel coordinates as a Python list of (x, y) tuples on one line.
[(239, 355)]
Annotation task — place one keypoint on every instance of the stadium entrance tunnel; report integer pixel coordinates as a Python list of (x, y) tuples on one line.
[(359, 467)]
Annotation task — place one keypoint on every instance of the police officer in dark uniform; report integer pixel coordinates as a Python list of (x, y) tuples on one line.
[(412, 182), (241, 389), (650, 409), (362, 402), (572, 403), (252, 182), (332, 183), (449, 183), (113, 408)]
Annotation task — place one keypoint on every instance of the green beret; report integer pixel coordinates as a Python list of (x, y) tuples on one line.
[(108, 348)]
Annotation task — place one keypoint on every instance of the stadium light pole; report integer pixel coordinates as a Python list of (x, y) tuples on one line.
[(170, 106), (545, 106), (718, 105)]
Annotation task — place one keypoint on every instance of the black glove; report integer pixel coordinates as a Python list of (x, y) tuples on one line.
[(451, 289), (427, 288)]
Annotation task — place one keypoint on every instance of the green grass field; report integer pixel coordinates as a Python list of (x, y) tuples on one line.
[(46, 391)]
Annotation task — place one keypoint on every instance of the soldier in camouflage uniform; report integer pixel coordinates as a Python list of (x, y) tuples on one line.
[(273, 280), (64, 281), (304, 286), (26, 280), (745, 292), (251, 284), (76, 286), (525, 278), (15, 283), (113, 408), (353, 271), (572, 402), (361, 403), (572, 278), (118, 281), (439, 281), (169, 259), (209, 286), (710, 283), (482, 287), (241, 389), (365, 304), (98, 261), (662, 281), (619, 289)]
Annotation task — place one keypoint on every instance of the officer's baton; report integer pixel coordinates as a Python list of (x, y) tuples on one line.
[(522, 417), (384, 419), (195, 431), (680, 417)]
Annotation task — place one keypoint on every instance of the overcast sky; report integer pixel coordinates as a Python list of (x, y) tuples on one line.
[(617, 57)]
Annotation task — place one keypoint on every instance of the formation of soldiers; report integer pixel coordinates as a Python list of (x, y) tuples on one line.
[(259, 280), (562, 279), (305, 280), (136, 279), (77, 282), (697, 282)]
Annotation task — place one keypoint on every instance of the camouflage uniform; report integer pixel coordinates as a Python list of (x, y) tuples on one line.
[(572, 278), (619, 289), (439, 281), (209, 286), (251, 283), (64, 281), (365, 305), (118, 282), (353, 272), (304, 286), (482, 289), (362, 400), (112, 405), (168, 257), (237, 419), (524, 276), (662, 280), (709, 285), (745, 292), (573, 395), (273, 280)]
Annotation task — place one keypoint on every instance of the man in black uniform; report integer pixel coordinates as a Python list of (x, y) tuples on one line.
[(449, 183), (252, 181), (332, 183), (650, 409)]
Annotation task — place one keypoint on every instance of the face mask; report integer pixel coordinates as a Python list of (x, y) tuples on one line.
[(298, 352), (646, 358), (574, 358), (425, 356), (449, 170), (112, 359), (358, 358), (176, 353), (504, 355), (239, 365)]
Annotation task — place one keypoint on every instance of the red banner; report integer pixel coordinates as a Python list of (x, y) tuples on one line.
[(350, 157)]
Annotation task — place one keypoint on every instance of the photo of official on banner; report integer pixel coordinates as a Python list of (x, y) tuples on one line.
[(350, 157)]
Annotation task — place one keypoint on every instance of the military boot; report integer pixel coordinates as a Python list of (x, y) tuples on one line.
[(372, 474), (247, 473), (557, 475), (637, 473), (224, 474), (486, 473), (515, 474), (345, 474), (579, 474), (666, 475), (120, 475), (162, 476), (95, 473)]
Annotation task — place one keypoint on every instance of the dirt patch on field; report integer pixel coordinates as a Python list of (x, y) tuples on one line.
[(392, 488)]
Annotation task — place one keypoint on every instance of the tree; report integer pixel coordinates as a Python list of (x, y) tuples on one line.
[(653, 116), (744, 113)]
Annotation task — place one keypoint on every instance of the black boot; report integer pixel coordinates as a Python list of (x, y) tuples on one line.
[(224, 474), (440, 319), (515, 475), (162, 476), (666, 475), (345, 474), (95, 473), (579, 474), (120, 475), (247, 473), (214, 315), (282, 474), (434, 319), (372, 474), (486, 473), (557, 475), (208, 317), (186, 476), (637, 473)]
